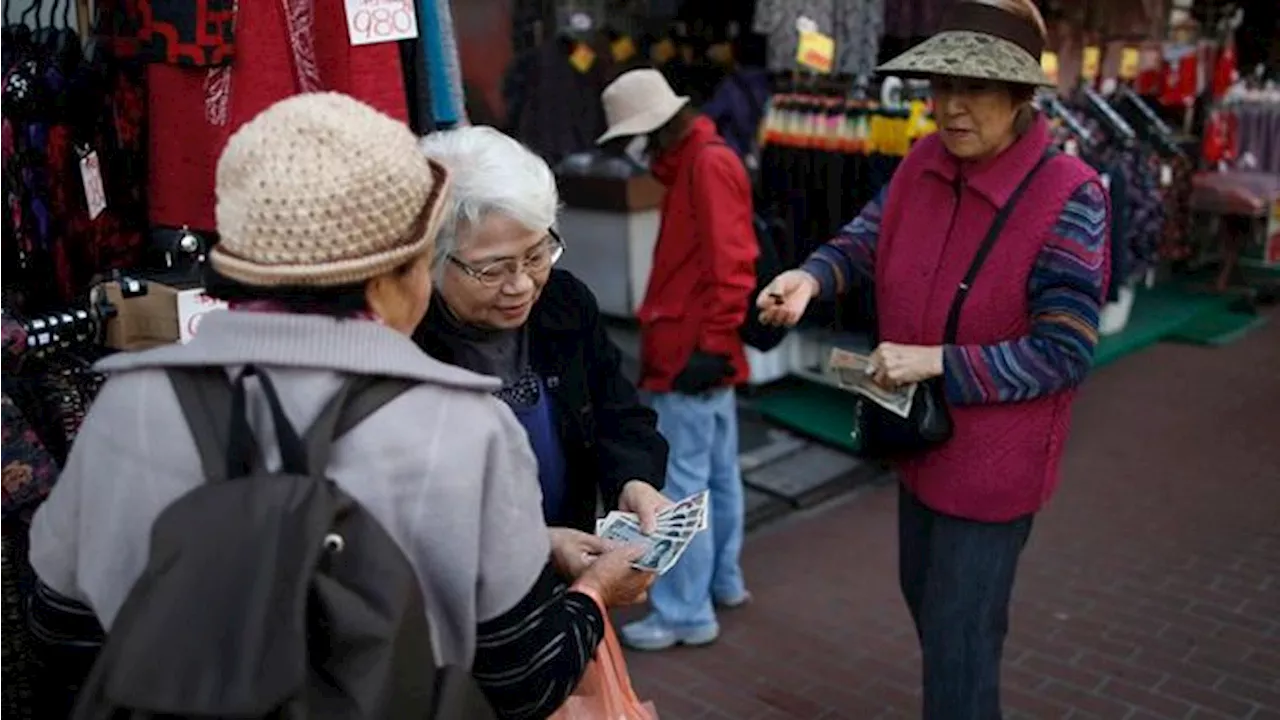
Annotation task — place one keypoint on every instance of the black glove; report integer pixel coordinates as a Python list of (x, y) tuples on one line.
[(703, 372)]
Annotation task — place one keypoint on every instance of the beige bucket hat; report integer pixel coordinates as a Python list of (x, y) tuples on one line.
[(321, 190), (978, 41), (637, 103)]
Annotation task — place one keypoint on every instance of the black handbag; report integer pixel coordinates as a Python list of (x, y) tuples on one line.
[(884, 435)]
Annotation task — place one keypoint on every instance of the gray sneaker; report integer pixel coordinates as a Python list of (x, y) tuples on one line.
[(653, 634)]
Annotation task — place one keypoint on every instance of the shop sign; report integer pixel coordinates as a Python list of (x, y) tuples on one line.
[(1092, 62), (379, 21), (193, 305)]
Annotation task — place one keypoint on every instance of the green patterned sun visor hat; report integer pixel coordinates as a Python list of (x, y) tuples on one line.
[(977, 41)]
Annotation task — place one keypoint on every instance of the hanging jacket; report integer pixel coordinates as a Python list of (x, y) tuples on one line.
[(1002, 461), (703, 270)]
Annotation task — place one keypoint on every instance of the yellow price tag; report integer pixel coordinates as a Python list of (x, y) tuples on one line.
[(816, 51), (662, 51), (622, 49), (1049, 64), (720, 53), (582, 58), (1129, 62), (1092, 61)]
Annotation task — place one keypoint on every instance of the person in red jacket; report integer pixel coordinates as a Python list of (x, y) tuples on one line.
[(691, 356)]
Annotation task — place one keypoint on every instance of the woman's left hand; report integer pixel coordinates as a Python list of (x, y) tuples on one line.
[(896, 365), (573, 551), (645, 501)]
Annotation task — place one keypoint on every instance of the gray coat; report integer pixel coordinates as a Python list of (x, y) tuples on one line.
[(445, 467)]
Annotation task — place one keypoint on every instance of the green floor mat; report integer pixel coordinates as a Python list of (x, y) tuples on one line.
[(1163, 313), (817, 411), (1157, 314), (1217, 329)]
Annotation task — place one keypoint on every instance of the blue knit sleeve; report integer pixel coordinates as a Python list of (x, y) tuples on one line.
[(850, 256), (1067, 289)]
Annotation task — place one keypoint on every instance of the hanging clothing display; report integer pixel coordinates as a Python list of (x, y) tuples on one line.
[(559, 111), (71, 122), (282, 48), (909, 19), (444, 72), (855, 25)]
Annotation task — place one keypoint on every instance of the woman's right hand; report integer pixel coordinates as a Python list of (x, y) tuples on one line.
[(612, 578), (784, 300)]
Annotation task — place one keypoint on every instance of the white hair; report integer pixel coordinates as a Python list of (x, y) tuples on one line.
[(491, 172)]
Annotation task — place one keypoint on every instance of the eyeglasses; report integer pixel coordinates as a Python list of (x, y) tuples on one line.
[(536, 261)]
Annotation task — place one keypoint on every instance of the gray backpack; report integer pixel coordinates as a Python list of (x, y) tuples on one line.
[(273, 595)]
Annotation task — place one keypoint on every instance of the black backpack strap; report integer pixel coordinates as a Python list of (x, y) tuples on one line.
[(989, 242), (205, 396), (357, 399)]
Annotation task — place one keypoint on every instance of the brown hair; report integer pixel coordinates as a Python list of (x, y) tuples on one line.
[(1024, 9)]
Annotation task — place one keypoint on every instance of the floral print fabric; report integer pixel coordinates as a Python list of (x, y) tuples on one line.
[(29, 469)]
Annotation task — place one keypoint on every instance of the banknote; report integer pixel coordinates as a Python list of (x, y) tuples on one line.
[(853, 373)]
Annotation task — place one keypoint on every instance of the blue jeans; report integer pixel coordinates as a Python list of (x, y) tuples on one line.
[(957, 578), (702, 431)]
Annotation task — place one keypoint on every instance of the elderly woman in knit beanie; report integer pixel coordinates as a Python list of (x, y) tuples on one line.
[(988, 256), (327, 215)]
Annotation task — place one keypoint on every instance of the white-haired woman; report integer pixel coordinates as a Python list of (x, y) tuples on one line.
[(501, 309)]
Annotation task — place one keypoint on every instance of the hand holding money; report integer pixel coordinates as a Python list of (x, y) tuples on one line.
[(896, 365), (856, 373), (573, 551), (614, 579), (676, 526)]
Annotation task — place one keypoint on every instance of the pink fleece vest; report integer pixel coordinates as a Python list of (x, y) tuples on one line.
[(1002, 461)]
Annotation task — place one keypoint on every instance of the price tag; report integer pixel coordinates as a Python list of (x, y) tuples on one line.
[(1092, 61), (95, 195), (816, 51), (622, 49), (1130, 61), (379, 21), (582, 58), (1049, 63), (193, 305), (662, 51)]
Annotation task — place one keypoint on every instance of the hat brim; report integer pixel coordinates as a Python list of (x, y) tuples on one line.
[(967, 54), (645, 122)]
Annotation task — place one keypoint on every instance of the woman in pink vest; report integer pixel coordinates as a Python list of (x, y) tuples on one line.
[(1024, 340)]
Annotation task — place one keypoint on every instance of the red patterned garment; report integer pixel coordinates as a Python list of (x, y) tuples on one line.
[(180, 32), (282, 48)]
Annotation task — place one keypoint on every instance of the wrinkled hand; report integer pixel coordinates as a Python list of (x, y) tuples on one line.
[(645, 501), (573, 551), (896, 365), (613, 579), (784, 300)]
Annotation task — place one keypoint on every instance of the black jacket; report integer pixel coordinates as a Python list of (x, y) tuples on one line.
[(607, 435)]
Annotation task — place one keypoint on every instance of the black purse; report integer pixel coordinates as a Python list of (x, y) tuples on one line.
[(881, 434)]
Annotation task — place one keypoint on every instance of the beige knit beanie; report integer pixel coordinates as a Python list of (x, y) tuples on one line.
[(322, 190)]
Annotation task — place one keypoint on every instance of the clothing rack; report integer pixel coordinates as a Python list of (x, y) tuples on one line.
[(1098, 106), (1053, 107), (1153, 129)]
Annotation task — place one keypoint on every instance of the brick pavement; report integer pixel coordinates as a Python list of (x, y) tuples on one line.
[(1150, 589)]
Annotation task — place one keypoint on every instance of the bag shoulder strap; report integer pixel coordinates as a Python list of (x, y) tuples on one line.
[(204, 393), (357, 399), (984, 250)]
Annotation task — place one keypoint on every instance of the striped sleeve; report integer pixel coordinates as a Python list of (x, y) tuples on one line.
[(529, 659), (1067, 288), (851, 255)]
